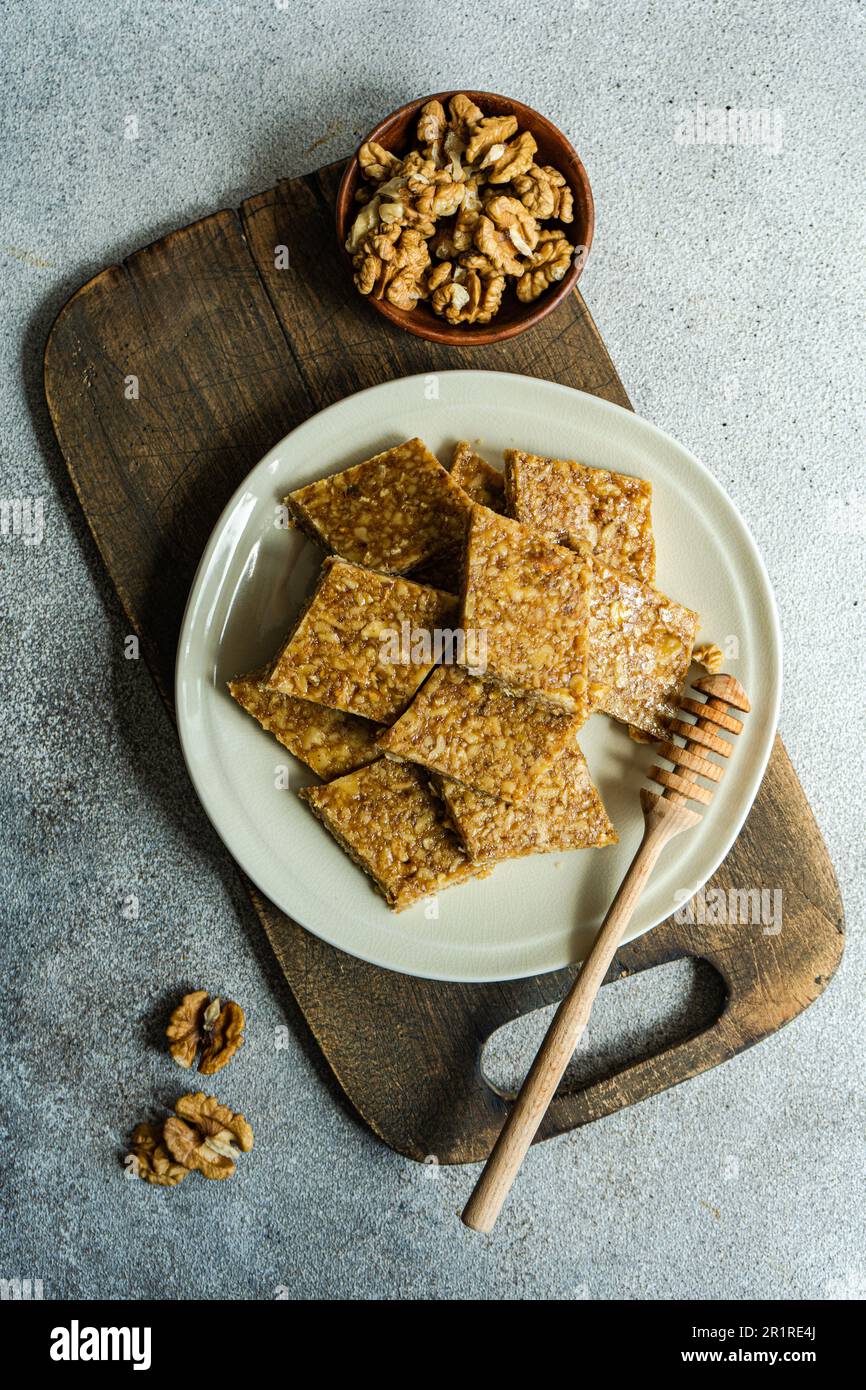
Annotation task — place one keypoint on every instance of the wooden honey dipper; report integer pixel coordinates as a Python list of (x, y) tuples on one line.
[(664, 816)]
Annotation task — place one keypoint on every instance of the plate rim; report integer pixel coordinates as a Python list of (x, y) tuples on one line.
[(607, 407)]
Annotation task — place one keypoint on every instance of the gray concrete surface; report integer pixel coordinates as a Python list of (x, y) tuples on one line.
[(729, 284)]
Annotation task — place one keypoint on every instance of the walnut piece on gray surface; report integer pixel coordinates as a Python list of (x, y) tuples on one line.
[(224, 1034), (153, 1162), (207, 1136), (201, 1022), (186, 1027)]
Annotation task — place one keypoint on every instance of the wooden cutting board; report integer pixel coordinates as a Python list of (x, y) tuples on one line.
[(167, 379)]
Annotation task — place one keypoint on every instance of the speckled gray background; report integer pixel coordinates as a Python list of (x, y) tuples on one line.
[(729, 285)]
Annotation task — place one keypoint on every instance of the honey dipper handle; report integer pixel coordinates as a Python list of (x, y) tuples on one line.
[(662, 820)]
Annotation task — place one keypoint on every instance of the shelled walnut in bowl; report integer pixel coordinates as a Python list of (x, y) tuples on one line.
[(466, 217)]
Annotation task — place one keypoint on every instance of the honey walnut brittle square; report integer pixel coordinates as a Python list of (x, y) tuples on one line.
[(347, 648), (594, 511), (327, 740), (473, 731), (478, 478), (385, 817), (530, 600), (392, 512), (640, 650), (563, 811)]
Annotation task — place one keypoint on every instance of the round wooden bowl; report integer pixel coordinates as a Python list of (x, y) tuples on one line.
[(397, 134)]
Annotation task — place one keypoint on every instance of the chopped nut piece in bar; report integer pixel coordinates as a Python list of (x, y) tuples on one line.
[(327, 740), (392, 512), (638, 735), (386, 818), (531, 600), (596, 512), (640, 648), (563, 811), (475, 732), (483, 483), (364, 643)]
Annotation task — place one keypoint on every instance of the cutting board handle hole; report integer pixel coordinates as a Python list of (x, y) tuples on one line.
[(632, 1019)]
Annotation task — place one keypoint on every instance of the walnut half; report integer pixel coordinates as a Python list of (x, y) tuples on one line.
[(153, 1162), (469, 294), (709, 656), (205, 1023), (544, 192), (377, 163), (206, 1136), (547, 264)]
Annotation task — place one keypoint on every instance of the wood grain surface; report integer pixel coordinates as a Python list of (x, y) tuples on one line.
[(167, 379)]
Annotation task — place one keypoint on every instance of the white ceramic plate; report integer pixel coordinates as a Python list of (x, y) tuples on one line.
[(534, 914)]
